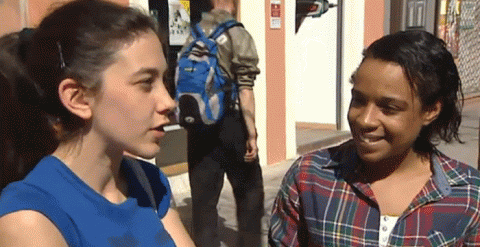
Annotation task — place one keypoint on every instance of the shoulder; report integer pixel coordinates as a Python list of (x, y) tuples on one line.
[(29, 204), (29, 228), (154, 174), (458, 172), (158, 183), (23, 196), (217, 15), (36, 192), (321, 164), (160, 186), (328, 157)]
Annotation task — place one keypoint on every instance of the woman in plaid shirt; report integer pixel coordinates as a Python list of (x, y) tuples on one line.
[(389, 186)]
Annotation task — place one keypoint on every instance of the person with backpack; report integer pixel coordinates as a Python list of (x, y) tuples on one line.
[(217, 109)]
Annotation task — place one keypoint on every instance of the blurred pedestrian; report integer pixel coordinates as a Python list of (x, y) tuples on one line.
[(230, 146)]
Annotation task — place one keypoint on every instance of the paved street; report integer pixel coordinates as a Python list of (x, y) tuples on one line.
[(468, 151)]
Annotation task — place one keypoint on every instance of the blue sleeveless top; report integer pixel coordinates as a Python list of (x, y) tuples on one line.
[(84, 217)]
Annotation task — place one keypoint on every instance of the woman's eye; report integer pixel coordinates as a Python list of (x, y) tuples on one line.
[(147, 83), (390, 109)]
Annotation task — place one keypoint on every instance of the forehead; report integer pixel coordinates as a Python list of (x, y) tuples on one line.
[(145, 49), (382, 78), (144, 52)]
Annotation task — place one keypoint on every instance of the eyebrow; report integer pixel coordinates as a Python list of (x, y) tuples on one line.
[(151, 71), (383, 100)]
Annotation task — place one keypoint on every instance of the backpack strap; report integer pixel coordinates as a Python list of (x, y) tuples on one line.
[(197, 31), (224, 27), (143, 179), (232, 94)]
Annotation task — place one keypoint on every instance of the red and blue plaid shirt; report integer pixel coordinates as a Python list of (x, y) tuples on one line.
[(321, 202)]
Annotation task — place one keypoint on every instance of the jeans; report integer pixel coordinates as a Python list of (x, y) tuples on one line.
[(213, 152)]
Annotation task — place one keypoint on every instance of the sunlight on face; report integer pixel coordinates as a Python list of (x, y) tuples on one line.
[(133, 105), (385, 114)]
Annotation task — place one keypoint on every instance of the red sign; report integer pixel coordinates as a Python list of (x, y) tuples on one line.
[(275, 8)]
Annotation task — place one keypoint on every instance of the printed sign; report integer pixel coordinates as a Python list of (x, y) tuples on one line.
[(178, 21), (275, 14)]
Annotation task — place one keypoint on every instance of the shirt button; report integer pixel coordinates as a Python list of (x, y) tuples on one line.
[(385, 218), (385, 239), (384, 228)]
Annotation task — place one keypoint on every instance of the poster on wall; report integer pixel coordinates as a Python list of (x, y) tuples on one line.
[(178, 21)]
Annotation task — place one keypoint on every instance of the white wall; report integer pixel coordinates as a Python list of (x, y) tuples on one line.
[(141, 4), (256, 28), (290, 75), (314, 66), (353, 36)]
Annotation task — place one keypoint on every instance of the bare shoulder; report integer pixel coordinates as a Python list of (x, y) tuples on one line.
[(29, 228)]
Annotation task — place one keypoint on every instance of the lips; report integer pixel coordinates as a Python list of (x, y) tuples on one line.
[(369, 138), (158, 132), (159, 128)]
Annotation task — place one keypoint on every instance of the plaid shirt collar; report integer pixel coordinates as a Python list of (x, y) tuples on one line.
[(445, 176)]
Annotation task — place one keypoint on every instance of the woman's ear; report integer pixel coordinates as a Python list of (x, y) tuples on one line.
[(432, 113), (73, 96)]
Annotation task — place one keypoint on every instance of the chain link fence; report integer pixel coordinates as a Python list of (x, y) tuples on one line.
[(469, 47)]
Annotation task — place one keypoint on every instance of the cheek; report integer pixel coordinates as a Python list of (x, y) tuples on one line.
[(405, 129), (117, 107), (351, 116)]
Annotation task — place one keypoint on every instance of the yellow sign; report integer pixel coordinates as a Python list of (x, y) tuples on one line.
[(186, 5)]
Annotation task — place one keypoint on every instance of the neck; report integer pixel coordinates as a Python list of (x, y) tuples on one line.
[(407, 164), (96, 165), (225, 5)]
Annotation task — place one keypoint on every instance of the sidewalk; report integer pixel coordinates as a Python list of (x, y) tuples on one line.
[(307, 140), (468, 151)]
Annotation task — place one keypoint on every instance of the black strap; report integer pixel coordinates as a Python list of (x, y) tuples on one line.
[(224, 27)]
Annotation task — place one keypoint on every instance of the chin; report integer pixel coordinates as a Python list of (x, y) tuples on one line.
[(370, 157), (147, 152)]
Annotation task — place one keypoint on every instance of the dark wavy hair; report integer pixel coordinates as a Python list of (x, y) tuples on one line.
[(79, 40), (433, 75)]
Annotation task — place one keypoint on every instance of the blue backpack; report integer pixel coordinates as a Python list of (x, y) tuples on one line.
[(202, 91)]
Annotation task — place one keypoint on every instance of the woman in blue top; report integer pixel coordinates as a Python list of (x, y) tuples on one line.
[(99, 70)]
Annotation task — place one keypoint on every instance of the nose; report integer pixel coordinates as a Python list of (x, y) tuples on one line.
[(368, 116), (165, 103)]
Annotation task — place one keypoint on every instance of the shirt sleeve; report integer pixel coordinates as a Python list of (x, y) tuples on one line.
[(286, 222), (20, 196), (245, 57)]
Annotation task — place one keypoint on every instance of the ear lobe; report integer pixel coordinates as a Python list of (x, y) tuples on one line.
[(73, 97), (432, 113)]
